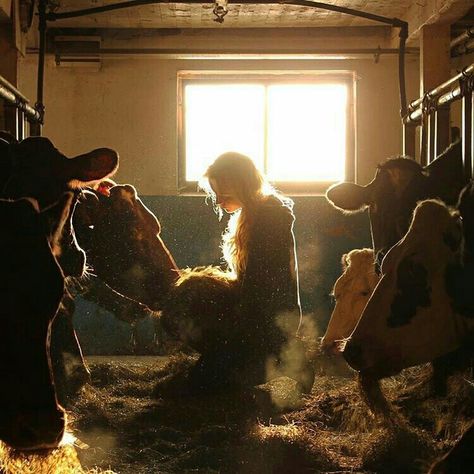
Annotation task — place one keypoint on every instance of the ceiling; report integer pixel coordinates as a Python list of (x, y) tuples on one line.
[(200, 15)]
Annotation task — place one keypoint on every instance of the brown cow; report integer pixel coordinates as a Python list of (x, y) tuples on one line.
[(351, 292), (31, 288), (122, 240)]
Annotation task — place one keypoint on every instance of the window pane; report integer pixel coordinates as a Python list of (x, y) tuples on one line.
[(306, 132), (220, 118)]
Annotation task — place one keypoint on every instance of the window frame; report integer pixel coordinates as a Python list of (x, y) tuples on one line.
[(315, 188)]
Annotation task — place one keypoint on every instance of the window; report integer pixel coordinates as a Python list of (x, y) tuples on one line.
[(298, 127)]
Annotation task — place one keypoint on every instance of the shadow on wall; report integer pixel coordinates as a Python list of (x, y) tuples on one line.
[(192, 233)]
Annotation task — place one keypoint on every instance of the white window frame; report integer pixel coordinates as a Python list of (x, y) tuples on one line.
[(347, 78)]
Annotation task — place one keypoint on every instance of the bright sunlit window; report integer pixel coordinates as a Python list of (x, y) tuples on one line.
[(297, 130)]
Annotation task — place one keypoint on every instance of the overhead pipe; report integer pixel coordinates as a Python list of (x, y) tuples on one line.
[(273, 54), (403, 25)]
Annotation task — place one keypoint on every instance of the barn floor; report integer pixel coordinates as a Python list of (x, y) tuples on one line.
[(121, 426)]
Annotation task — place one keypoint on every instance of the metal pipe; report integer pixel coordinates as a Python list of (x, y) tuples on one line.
[(464, 48), (20, 124), (441, 89), (233, 52), (7, 85), (467, 134), (401, 69), (19, 103), (349, 11), (463, 37), (53, 16), (39, 105), (445, 99)]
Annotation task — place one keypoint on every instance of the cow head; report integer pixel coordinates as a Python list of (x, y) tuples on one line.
[(35, 168), (122, 240), (39, 170), (409, 319), (392, 195), (31, 288), (390, 198), (351, 291)]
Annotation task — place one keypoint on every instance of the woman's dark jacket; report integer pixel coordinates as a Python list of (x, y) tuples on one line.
[(269, 298)]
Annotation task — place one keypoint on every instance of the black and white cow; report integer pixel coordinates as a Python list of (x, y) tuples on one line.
[(416, 313)]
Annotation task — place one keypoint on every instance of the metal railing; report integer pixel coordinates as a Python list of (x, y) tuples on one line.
[(431, 112), (24, 112)]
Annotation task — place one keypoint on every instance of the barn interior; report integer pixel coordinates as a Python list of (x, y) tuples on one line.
[(114, 74)]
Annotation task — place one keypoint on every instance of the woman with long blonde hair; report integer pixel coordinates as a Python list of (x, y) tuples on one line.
[(252, 338)]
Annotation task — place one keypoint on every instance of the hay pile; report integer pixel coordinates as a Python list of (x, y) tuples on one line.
[(122, 424)]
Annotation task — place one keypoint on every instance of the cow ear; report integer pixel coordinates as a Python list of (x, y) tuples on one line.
[(349, 197), (54, 217), (93, 166)]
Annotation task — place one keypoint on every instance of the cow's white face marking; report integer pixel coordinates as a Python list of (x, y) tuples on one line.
[(351, 291)]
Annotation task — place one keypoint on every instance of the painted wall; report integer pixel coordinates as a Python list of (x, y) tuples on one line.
[(130, 105)]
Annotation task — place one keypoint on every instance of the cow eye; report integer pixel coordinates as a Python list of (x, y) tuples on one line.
[(365, 293)]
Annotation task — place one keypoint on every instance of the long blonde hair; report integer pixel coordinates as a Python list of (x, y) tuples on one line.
[(250, 188)]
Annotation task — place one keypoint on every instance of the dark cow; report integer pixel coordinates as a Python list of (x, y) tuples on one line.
[(392, 195), (35, 168), (122, 240), (413, 315), (31, 288)]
